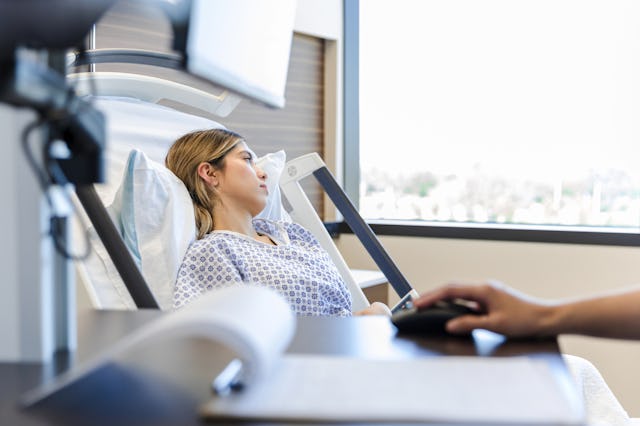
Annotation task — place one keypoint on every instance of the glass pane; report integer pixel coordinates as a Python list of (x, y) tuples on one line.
[(500, 111)]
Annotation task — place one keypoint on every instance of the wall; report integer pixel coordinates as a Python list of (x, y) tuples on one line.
[(319, 18), (324, 19), (543, 270)]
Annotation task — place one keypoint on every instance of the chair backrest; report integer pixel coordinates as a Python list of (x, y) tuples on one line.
[(130, 124)]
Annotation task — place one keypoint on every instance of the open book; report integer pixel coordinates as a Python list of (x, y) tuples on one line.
[(171, 362), (166, 366)]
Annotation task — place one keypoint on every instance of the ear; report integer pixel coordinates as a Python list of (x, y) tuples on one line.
[(208, 173)]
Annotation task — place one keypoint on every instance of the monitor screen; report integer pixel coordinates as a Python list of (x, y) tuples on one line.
[(242, 45)]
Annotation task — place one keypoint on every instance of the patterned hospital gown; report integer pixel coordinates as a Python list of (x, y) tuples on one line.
[(297, 267)]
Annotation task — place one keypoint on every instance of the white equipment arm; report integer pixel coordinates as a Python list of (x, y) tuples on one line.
[(303, 213), (152, 89)]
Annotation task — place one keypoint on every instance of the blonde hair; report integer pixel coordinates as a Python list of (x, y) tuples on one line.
[(184, 157)]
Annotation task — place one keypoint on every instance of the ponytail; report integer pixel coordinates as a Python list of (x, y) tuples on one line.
[(183, 159)]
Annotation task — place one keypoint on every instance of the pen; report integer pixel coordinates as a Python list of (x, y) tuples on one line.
[(229, 378)]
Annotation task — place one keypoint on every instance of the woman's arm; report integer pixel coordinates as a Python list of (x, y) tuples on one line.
[(615, 314), (506, 311)]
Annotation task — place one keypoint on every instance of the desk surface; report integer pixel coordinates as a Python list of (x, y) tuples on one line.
[(368, 277), (365, 337)]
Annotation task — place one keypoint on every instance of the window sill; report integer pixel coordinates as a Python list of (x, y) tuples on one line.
[(629, 237)]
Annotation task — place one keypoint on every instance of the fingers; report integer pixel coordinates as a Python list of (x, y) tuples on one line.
[(477, 293), (466, 324)]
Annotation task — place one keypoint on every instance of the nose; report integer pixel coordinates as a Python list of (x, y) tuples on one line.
[(261, 173)]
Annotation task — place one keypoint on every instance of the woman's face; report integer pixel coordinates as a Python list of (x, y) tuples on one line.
[(241, 182)]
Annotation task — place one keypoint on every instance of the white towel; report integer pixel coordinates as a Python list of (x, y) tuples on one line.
[(602, 407)]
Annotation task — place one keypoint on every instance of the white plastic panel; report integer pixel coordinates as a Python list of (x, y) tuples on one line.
[(152, 89)]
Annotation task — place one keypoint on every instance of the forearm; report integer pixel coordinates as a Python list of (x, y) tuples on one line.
[(613, 316)]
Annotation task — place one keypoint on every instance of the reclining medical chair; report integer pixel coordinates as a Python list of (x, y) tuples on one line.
[(118, 278)]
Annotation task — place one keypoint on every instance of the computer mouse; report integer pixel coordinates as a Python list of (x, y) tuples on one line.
[(430, 320)]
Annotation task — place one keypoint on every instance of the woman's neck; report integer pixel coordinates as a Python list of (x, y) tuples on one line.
[(240, 222), (241, 226)]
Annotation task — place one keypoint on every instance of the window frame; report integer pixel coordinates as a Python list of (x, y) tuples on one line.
[(613, 236)]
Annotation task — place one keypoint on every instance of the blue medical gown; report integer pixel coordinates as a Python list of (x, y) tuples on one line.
[(297, 267)]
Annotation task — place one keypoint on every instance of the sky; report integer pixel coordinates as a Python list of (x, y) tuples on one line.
[(533, 88)]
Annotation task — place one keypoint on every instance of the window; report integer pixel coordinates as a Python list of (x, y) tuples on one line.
[(500, 112)]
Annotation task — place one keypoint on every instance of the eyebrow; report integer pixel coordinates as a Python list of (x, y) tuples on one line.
[(245, 151)]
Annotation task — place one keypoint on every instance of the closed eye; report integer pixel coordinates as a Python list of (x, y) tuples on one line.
[(247, 156)]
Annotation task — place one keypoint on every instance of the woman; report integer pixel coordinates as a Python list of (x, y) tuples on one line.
[(228, 190)]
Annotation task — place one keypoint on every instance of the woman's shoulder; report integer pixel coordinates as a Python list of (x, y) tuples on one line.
[(207, 240)]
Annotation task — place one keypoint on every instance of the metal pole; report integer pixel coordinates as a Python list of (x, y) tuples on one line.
[(116, 248)]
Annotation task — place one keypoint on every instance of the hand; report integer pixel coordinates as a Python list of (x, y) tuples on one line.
[(376, 308), (502, 309)]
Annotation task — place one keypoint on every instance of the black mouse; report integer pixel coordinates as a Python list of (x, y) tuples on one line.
[(430, 320)]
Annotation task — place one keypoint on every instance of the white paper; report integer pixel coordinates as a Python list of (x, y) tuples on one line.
[(444, 389), (255, 322)]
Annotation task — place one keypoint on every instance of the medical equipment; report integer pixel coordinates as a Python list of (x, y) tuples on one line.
[(36, 24), (33, 37)]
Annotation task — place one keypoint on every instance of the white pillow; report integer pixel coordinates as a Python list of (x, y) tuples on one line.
[(273, 165), (153, 212), (156, 218)]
